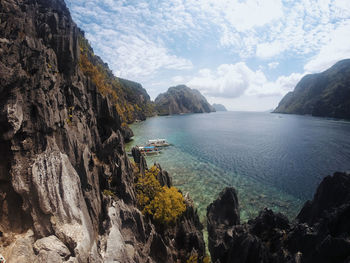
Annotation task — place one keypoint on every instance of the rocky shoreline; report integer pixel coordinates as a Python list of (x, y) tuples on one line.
[(320, 233)]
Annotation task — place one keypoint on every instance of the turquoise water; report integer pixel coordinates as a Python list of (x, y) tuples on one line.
[(273, 160)]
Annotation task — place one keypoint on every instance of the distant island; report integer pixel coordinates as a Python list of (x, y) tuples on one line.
[(182, 99), (219, 107), (325, 94)]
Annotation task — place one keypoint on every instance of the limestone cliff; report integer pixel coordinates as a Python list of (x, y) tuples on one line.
[(181, 99), (66, 184)]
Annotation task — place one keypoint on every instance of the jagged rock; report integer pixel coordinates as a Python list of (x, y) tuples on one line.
[(320, 233), (139, 159), (127, 133), (163, 177), (333, 192), (225, 209)]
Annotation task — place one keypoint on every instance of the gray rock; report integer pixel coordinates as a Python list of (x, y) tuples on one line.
[(51, 248)]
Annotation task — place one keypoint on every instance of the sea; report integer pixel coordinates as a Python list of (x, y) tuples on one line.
[(272, 160)]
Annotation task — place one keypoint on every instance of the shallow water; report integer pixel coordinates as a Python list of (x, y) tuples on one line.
[(273, 160)]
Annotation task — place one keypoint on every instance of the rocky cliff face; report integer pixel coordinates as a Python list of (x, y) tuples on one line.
[(326, 94), (320, 233), (181, 99), (66, 185)]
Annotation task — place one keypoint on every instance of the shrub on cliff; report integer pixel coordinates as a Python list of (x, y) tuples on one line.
[(147, 187), (163, 204), (167, 205)]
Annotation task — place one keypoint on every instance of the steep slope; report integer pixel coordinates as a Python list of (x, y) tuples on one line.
[(130, 98), (219, 107), (326, 94), (181, 99), (320, 233), (67, 187)]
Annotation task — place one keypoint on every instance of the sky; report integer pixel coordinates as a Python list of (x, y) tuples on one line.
[(245, 54)]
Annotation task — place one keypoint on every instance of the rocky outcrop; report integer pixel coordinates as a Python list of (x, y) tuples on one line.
[(181, 99), (320, 232), (326, 94), (66, 183), (219, 107)]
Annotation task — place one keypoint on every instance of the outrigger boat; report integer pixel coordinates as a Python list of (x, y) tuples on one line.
[(158, 143), (149, 150)]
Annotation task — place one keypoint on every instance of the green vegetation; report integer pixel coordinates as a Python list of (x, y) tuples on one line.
[(163, 204), (130, 99)]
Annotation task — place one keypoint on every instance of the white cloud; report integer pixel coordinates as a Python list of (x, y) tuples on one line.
[(135, 55), (235, 80), (178, 80), (263, 28), (273, 65), (227, 81), (338, 48), (248, 14), (268, 50)]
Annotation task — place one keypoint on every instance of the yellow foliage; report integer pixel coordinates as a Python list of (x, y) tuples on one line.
[(206, 259), (164, 204), (193, 259), (147, 187), (108, 192), (167, 205)]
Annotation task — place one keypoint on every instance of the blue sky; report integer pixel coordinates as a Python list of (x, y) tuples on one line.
[(245, 54)]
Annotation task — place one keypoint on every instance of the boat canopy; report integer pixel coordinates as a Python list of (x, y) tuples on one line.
[(156, 140), (147, 147)]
